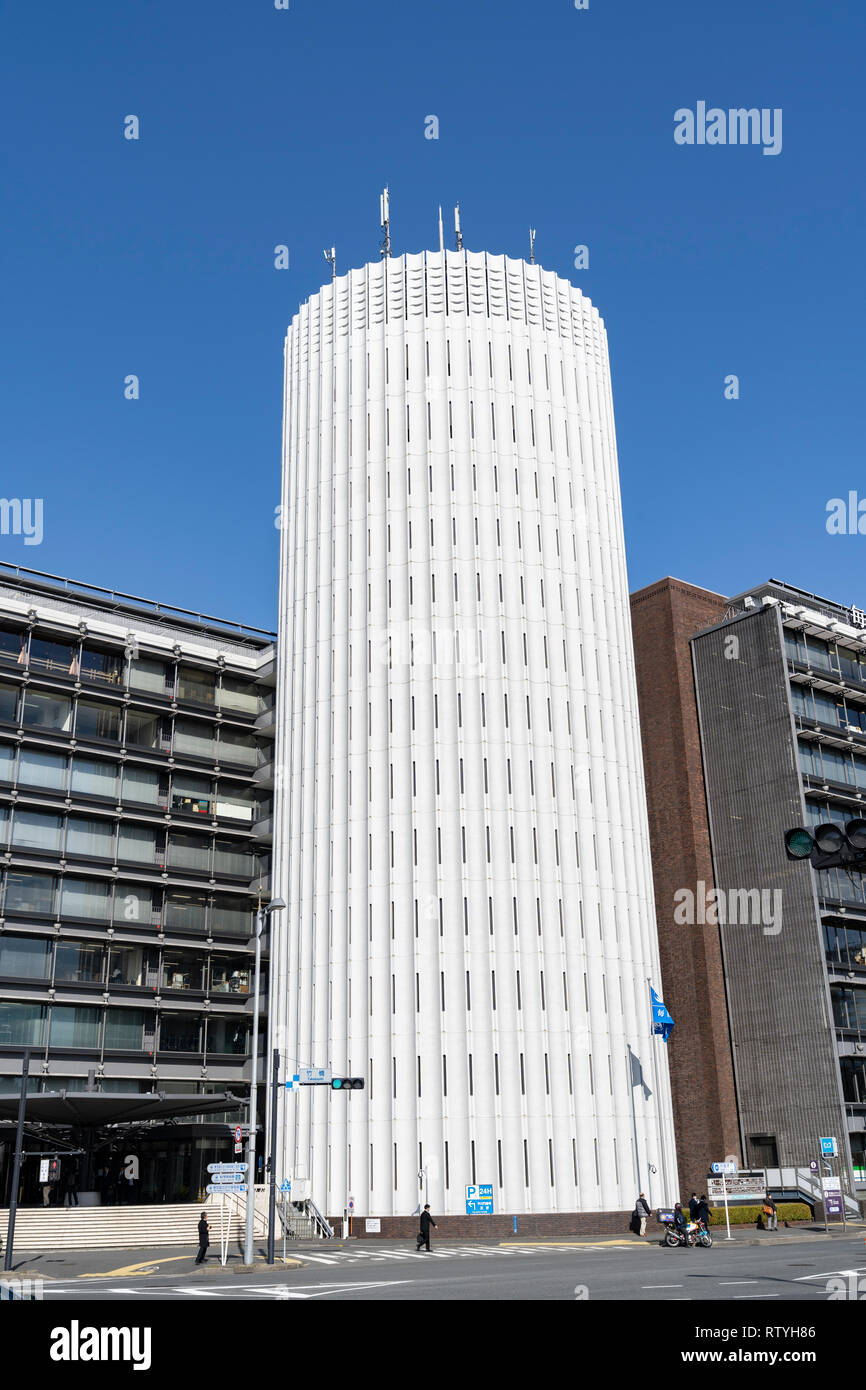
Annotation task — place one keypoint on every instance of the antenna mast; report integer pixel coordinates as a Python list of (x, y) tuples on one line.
[(532, 246), (457, 232), (385, 222), (331, 258)]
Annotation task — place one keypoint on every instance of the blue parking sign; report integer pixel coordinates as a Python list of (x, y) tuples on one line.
[(479, 1199)]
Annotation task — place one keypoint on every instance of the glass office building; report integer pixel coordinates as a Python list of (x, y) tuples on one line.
[(135, 804)]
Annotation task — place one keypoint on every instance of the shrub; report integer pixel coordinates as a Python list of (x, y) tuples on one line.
[(748, 1216)]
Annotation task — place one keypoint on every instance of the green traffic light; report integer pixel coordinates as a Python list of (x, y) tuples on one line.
[(337, 1083), (798, 843)]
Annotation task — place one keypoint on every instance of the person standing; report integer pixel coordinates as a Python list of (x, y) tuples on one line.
[(426, 1222), (642, 1212), (72, 1184), (704, 1212), (203, 1239), (771, 1217), (693, 1207)]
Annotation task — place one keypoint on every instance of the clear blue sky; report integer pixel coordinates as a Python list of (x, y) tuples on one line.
[(261, 127)]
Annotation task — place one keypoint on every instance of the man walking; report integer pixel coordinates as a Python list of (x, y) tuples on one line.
[(424, 1234), (642, 1212), (203, 1239), (771, 1217)]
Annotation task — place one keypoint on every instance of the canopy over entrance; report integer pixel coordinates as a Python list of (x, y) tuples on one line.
[(86, 1109)]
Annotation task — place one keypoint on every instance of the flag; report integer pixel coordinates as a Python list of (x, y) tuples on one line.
[(662, 1021)]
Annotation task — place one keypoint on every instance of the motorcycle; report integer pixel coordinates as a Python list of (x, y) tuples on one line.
[(693, 1233)]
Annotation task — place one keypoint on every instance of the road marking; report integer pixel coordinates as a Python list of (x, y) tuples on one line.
[(661, 1286), (840, 1273), (135, 1269), (757, 1295), (739, 1281), (571, 1244)]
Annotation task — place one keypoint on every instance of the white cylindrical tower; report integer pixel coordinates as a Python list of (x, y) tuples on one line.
[(460, 824)]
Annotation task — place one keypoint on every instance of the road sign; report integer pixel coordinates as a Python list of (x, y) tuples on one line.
[(314, 1076), (743, 1187), (829, 1147), (833, 1184), (813, 1164), (351, 1205), (479, 1199), (227, 1168), (294, 1083), (729, 1169), (225, 1187), (285, 1186)]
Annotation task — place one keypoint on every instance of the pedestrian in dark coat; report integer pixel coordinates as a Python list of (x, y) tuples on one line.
[(704, 1211), (642, 1212), (693, 1207), (426, 1222), (203, 1239)]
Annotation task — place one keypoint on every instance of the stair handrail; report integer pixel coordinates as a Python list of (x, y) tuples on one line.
[(319, 1220)]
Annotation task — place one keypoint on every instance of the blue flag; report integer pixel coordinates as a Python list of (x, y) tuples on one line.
[(662, 1021)]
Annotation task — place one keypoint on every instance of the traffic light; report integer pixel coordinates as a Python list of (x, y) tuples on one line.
[(347, 1083), (829, 846), (54, 1170)]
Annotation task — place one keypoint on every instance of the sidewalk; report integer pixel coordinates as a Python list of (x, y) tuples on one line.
[(179, 1261)]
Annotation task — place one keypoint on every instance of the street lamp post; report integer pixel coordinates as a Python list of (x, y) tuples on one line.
[(273, 906)]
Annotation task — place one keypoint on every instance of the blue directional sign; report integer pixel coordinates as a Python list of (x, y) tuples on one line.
[(479, 1199), (828, 1147)]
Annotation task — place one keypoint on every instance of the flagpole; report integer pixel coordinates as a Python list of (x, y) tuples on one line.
[(663, 1156)]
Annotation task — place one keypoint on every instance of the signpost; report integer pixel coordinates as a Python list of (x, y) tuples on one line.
[(479, 1199), (229, 1183), (238, 1139), (725, 1170), (834, 1200)]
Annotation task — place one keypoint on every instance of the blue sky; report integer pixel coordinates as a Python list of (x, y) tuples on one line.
[(261, 127)]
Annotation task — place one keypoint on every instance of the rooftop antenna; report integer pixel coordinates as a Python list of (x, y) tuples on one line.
[(385, 222), (441, 233), (532, 246), (457, 232), (331, 258)]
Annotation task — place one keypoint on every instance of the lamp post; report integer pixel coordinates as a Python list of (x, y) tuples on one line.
[(261, 914)]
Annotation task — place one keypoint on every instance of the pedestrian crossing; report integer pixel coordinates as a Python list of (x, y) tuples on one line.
[(402, 1254)]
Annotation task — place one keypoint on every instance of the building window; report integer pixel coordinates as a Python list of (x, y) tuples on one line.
[(94, 720)]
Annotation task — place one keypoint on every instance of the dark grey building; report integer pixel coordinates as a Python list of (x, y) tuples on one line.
[(135, 804), (781, 694)]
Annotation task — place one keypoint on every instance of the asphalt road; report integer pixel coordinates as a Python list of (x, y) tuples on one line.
[(541, 1272)]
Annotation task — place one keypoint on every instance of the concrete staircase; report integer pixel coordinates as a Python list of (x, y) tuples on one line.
[(124, 1228)]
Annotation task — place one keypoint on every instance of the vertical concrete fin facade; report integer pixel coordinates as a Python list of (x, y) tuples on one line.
[(461, 821)]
